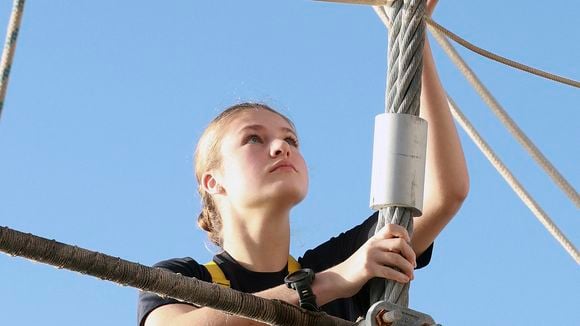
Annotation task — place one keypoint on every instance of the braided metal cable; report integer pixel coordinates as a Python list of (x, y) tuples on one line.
[(405, 58), (517, 187), (434, 26), (393, 55), (10, 48), (504, 117)]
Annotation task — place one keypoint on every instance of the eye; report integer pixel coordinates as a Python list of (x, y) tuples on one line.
[(292, 141), (253, 139)]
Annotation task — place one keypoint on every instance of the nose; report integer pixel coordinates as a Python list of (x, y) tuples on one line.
[(279, 148)]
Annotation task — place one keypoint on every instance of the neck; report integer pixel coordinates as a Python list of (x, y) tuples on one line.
[(258, 239)]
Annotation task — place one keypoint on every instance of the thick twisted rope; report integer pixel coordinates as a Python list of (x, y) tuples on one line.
[(503, 116), (9, 48), (517, 187), (405, 62), (434, 26), (160, 281)]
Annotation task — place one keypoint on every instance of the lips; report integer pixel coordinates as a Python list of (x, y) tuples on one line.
[(283, 164)]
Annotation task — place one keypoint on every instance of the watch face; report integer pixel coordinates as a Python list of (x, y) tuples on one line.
[(299, 275)]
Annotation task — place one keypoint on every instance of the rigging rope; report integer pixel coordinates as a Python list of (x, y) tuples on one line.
[(160, 281), (405, 63), (434, 26), (540, 214), (380, 11), (10, 48), (513, 128), (500, 112)]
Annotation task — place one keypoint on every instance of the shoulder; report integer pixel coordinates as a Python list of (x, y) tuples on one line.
[(186, 266)]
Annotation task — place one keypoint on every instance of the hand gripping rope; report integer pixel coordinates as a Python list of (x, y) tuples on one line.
[(399, 153), (399, 149)]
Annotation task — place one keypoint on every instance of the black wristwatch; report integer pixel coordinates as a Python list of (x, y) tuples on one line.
[(301, 281)]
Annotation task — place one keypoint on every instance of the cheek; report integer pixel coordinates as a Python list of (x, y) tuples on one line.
[(241, 174), (304, 168)]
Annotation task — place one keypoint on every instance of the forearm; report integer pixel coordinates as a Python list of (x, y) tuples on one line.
[(207, 317), (446, 178), (324, 287)]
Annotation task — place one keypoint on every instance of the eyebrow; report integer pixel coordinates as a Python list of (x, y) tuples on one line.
[(261, 127)]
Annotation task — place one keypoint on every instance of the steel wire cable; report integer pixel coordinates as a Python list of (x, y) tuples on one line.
[(380, 11), (405, 63)]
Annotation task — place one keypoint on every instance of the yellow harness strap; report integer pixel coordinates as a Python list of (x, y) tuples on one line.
[(293, 265), (218, 276)]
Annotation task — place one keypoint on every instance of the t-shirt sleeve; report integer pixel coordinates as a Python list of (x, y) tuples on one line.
[(184, 266), (339, 248)]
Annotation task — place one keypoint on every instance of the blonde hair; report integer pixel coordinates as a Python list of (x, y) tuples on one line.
[(207, 157)]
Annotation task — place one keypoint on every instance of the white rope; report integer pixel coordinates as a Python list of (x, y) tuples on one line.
[(9, 48), (542, 216), (495, 57), (380, 11), (499, 111)]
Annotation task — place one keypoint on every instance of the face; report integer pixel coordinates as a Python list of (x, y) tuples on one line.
[(261, 162)]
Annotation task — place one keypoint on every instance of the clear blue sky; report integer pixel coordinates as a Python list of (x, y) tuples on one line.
[(107, 100)]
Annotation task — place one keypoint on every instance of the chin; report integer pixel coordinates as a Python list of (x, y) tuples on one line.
[(286, 195)]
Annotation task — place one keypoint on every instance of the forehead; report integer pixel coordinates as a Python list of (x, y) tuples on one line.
[(260, 117)]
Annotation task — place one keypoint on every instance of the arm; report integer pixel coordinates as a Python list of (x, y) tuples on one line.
[(446, 178), (324, 287), (387, 254), (183, 314)]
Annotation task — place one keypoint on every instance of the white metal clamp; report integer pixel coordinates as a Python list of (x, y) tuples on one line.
[(398, 171)]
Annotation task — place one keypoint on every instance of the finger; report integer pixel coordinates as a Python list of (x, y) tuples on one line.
[(399, 246), (392, 274), (396, 261), (407, 251), (394, 231)]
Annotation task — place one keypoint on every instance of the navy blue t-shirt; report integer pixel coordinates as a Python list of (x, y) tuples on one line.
[(326, 255)]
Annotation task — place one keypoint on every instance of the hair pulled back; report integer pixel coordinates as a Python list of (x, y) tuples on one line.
[(207, 157)]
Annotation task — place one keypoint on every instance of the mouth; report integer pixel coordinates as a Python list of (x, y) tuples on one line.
[(283, 166)]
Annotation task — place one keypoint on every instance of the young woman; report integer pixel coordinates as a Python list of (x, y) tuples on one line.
[(251, 174)]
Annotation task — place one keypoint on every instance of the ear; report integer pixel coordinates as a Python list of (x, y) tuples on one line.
[(210, 183)]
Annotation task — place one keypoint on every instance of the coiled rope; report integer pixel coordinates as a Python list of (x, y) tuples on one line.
[(10, 48), (405, 63), (503, 116)]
